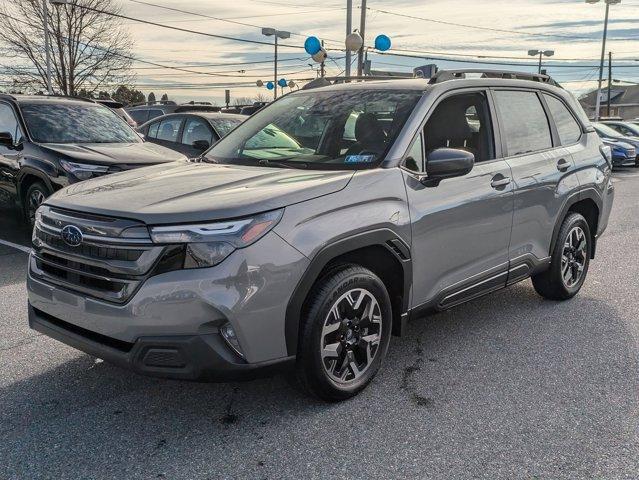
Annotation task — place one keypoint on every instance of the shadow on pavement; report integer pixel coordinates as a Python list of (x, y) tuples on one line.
[(508, 385)]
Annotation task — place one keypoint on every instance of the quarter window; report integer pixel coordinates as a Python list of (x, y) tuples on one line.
[(523, 121), (568, 128), (415, 157), (196, 130)]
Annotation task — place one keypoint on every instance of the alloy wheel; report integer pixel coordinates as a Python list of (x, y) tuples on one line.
[(573, 257), (36, 197), (351, 336)]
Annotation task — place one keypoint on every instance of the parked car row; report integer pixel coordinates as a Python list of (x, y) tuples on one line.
[(625, 148)]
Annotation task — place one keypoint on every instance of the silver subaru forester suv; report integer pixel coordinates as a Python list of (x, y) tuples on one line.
[(311, 233)]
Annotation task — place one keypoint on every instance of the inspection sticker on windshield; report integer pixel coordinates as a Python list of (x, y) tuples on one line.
[(359, 158)]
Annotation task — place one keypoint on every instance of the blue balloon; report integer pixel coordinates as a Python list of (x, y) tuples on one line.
[(312, 45), (270, 85), (382, 43), (282, 82)]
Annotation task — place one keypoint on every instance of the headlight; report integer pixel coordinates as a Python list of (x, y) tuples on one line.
[(209, 244), (83, 171)]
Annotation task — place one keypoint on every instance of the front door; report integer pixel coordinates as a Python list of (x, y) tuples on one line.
[(461, 228)]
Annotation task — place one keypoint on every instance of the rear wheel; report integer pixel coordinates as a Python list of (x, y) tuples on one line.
[(36, 194), (345, 335), (569, 262)]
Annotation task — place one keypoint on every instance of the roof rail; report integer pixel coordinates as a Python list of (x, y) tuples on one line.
[(446, 75), (156, 102)]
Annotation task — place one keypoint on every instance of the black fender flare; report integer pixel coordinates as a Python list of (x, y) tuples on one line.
[(382, 237), (34, 171), (586, 193)]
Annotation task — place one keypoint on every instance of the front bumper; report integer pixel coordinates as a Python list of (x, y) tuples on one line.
[(177, 316), (625, 161), (190, 357)]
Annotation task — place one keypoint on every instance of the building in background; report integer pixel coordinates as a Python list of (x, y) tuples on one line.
[(624, 102)]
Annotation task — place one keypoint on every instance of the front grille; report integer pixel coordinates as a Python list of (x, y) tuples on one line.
[(113, 260)]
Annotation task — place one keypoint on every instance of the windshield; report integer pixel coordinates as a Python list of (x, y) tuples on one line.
[(74, 123), (606, 131), (224, 125), (333, 129)]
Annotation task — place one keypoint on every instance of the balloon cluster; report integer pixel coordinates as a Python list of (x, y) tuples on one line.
[(353, 42)]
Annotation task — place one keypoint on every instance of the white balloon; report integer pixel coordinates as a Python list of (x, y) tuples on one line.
[(320, 56), (354, 42), (259, 83), (291, 83)]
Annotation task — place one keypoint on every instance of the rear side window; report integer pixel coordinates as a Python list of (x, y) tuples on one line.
[(153, 130), (140, 116), (155, 113), (169, 129), (568, 128), (524, 122)]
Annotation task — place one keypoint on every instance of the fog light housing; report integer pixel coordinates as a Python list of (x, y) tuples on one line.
[(229, 336)]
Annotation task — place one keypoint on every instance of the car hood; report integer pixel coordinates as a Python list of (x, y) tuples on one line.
[(135, 154), (613, 142), (197, 192)]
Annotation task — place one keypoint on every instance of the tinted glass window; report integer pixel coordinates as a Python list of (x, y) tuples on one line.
[(153, 130), (524, 122), (140, 116), (155, 113), (415, 157), (9, 123), (568, 128), (169, 129), (308, 129), (195, 130), (76, 123), (462, 122)]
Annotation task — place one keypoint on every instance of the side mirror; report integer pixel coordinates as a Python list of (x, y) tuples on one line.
[(6, 139), (201, 145), (444, 163)]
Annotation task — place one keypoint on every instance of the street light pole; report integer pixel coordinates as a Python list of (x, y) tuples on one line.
[(349, 30), (47, 44), (271, 32), (603, 52), (362, 32), (541, 53)]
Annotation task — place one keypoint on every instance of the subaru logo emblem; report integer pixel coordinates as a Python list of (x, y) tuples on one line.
[(72, 235)]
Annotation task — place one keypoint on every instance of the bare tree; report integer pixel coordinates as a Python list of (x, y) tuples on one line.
[(238, 101), (261, 97), (89, 49)]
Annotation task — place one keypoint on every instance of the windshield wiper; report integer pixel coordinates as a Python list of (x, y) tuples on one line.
[(281, 163)]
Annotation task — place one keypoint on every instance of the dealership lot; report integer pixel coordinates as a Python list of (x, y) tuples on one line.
[(507, 386)]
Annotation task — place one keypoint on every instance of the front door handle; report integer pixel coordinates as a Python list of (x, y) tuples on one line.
[(563, 165), (499, 182)]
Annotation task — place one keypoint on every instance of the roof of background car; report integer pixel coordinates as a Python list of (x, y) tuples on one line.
[(206, 115), (48, 99)]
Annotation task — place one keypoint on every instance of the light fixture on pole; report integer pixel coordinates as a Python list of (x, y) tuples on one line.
[(541, 53), (271, 32), (603, 51)]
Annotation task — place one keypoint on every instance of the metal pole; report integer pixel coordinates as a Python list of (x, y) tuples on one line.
[(322, 65), (601, 65), (275, 71), (362, 32), (540, 54), (609, 79), (47, 46), (349, 30)]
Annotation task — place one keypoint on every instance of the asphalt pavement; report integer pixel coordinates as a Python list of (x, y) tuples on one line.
[(507, 386)]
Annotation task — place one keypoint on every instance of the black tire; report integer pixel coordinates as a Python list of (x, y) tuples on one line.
[(332, 290), (551, 284), (35, 195)]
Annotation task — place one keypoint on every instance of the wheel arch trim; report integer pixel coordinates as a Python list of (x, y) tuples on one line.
[(381, 238)]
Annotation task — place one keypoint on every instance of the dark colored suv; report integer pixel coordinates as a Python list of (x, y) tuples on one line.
[(315, 229), (47, 143)]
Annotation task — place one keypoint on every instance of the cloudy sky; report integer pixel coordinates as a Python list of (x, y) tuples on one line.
[(488, 31)]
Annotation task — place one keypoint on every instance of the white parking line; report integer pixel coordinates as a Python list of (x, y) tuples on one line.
[(22, 248)]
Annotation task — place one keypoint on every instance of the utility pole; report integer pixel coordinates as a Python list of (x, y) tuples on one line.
[(362, 32), (271, 32), (609, 79), (349, 30), (47, 44), (603, 52)]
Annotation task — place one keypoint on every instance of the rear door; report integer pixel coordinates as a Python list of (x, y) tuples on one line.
[(197, 132), (460, 228), (168, 132), (543, 173)]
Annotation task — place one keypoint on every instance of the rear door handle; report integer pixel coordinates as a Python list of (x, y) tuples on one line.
[(563, 165), (500, 182)]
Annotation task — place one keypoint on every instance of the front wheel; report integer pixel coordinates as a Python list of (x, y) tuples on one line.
[(569, 262), (345, 334), (36, 194)]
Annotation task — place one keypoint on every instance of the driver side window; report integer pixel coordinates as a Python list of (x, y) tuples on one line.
[(462, 122)]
